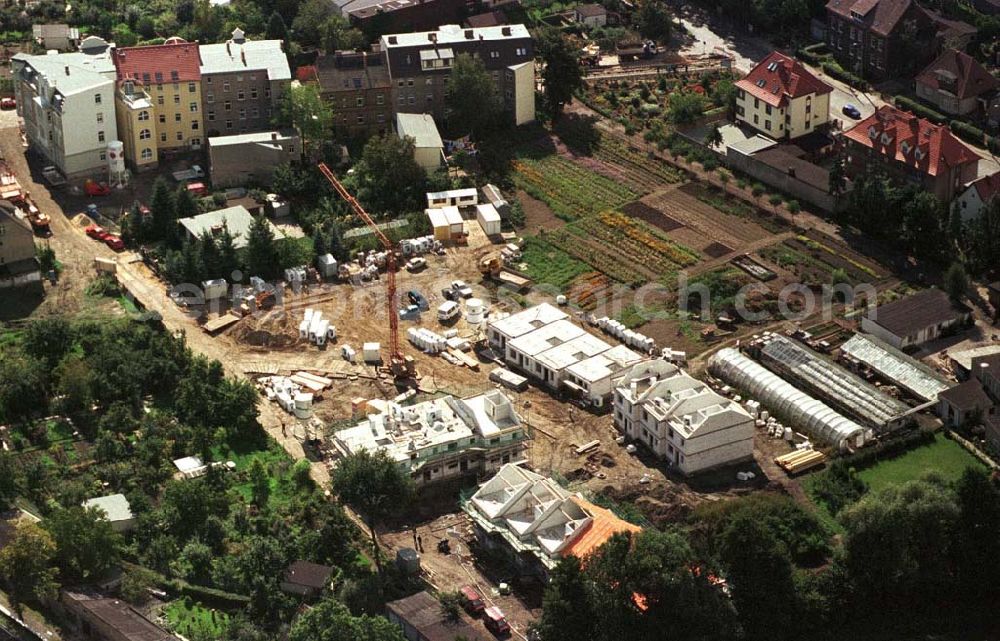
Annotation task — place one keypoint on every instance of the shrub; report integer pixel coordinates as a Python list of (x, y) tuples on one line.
[(775, 200), (920, 110), (968, 133), (757, 190), (836, 71), (794, 206)]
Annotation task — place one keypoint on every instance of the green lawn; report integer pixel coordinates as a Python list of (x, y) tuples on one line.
[(187, 620), (549, 264), (944, 456)]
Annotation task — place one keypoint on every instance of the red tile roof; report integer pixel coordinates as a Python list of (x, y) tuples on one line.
[(915, 142), (603, 526), (779, 78), (175, 62), (881, 16), (988, 186), (970, 79)]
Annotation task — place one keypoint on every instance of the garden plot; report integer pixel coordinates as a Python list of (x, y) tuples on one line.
[(818, 262), (571, 190), (702, 224)]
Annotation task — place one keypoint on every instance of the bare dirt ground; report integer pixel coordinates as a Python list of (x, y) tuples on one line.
[(537, 215)]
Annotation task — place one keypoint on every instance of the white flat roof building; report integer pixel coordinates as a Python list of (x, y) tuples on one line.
[(453, 197), (681, 419), (116, 510), (441, 438), (505, 329)]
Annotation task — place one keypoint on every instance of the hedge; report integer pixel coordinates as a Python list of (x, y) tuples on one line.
[(968, 133), (993, 144), (840, 73), (209, 596), (809, 57), (889, 448), (924, 112)]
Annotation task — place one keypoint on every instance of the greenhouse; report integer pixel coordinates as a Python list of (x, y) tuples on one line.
[(797, 408), (893, 365)]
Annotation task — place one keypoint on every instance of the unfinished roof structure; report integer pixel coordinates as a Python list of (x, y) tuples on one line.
[(812, 416), (535, 515)]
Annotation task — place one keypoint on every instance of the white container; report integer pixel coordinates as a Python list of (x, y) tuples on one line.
[(308, 315), (304, 329), (371, 352), (302, 407), (474, 310), (331, 332), (450, 333), (348, 353), (561, 299), (321, 330), (214, 288), (788, 433)]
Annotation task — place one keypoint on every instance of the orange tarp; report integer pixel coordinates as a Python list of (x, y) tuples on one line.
[(605, 525)]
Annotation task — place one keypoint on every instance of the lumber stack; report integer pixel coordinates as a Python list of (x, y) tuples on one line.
[(800, 461)]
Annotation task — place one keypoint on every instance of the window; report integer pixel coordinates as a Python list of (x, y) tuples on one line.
[(409, 82), (739, 110), (522, 51), (143, 115), (253, 77), (380, 117), (193, 107), (756, 103), (163, 136), (100, 118), (180, 135), (380, 100), (756, 119), (97, 98), (146, 154), (494, 55), (103, 155), (243, 114), (229, 124), (177, 99), (145, 134), (254, 112), (767, 109), (159, 100), (361, 119), (100, 136), (360, 101), (267, 92), (241, 95), (239, 77), (225, 86), (194, 124), (430, 98), (174, 75), (211, 116), (412, 100), (767, 125), (191, 88), (208, 79), (159, 77), (145, 78), (253, 93), (159, 87), (163, 119), (177, 117), (210, 98), (228, 106)]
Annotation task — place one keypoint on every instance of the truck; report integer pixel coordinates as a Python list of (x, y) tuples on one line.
[(493, 267), (53, 176), (193, 173)]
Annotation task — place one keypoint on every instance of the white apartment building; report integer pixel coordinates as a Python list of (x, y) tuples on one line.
[(442, 438), (781, 98), (67, 101), (562, 356), (681, 419)]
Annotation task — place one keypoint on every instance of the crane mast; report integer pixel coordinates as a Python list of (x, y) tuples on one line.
[(401, 366)]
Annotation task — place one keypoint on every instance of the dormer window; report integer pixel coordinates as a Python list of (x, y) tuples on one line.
[(872, 132), (772, 67), (920, 153), (905, 146), (761, 83), (886, 139)]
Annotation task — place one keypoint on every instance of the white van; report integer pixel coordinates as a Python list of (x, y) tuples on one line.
[(448, 311)]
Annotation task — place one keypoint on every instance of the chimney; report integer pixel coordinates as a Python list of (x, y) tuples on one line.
[(67, 70), (274, 135), (227, 48), (505, 31), (393, 40), (468, 34), (791, 172), (243, 56)]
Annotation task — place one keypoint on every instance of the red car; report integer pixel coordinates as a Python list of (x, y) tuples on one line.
[(92, 188), (495, 621), (96, 232), (8, 103), (114, 242), (471, 601)]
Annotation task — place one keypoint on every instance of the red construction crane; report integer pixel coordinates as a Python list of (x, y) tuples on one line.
[(401, 365)]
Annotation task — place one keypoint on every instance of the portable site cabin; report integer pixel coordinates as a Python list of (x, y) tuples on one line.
[(447, 223), (327, 265), (488, 219), (214, 288), (453, 198)]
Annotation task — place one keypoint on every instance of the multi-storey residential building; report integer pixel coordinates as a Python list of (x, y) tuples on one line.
[(888, 38), (912, 150), (419, 65), (376, 17), (67, 103), (358, 88), (18, 265), (443, 438), (681, 419), (159, 100), (242, 81), (781, 98)]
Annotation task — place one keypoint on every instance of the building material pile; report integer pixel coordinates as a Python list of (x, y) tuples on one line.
[(315, 329), (624, 334), (800, 460)]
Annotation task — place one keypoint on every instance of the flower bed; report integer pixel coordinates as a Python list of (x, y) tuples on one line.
[(568, 188)]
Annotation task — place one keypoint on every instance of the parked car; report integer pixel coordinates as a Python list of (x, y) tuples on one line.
[(114, 242), (448, 310), (852, 111), (410, 312), (416, 264), (495, 621), (461, 288), (418, 299), (193, 173), (198, 189), (93, 188), (449, 294), (471, 601), (96, 232), (8, 103)]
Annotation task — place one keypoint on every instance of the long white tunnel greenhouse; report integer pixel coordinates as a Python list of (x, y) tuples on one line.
[(797, 408)]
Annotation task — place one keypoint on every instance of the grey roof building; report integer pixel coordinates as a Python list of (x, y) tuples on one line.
[(116, 509), (236, 219), (250, 159)]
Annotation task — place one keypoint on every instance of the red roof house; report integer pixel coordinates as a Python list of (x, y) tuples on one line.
[(781, 97), (955, 82), (176, 61), (912, 148)]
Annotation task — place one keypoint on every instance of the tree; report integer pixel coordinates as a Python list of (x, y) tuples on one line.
[(185, 205), (654, 21), (48, 340), (760, 576), (74, 384), (321, 245), (714, 138), (26, 564), (984, 237), (87, 546), (977, 548), (305, 109), (724, 95), (567, 603), (276, 28), (374, 486), (11, 479), (162, 209), (22, 385), (195, 562), (260, 488), (389, 179), (261, 252), (337, 34), (451, 605), (562, 76), (308, 23), (472, 103), (839, 487), (330, 620), (923, 215), (136, 583), (685, 107), (837, 179), (956, 281)]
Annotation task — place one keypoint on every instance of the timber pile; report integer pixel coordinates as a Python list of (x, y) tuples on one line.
[(800, 460)]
